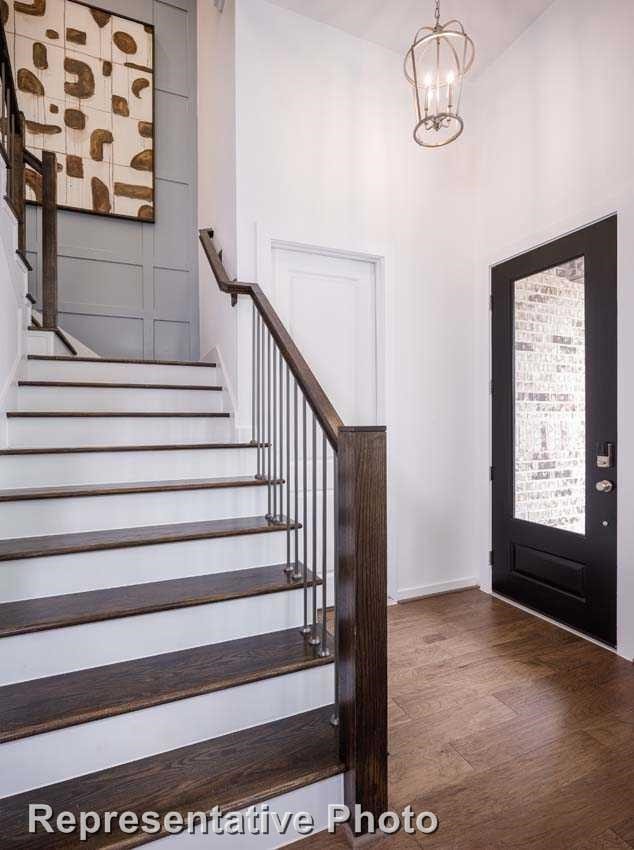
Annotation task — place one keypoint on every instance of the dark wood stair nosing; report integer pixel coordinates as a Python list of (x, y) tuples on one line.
[(117, 385), (74, 543), (121, 360), (44, 705), (233, 772), (28, 616), (159, 447), (131, 488), (113, 414)]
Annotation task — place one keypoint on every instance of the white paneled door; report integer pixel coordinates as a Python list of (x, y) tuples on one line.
[(329, 303)]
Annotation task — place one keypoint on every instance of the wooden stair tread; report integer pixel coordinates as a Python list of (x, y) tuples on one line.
[(133, 361), (73, 609), (113, 414), (129, 488), (56, 702), (119, 538), (118, 385), (232, 772), (165, 447)]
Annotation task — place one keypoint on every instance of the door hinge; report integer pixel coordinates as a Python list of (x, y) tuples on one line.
[(491, 473), (491, 387), (491, 558)]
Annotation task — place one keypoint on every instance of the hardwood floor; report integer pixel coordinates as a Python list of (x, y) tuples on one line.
[(515, 733)]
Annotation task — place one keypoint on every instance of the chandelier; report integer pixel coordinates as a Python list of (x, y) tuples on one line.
[(436, 65)]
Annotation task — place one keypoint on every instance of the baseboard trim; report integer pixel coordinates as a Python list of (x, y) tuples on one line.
[(411, 594)]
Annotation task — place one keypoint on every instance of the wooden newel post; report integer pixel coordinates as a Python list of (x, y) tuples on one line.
[(362, 616), (49, 240)]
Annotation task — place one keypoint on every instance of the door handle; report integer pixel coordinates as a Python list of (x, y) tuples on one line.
[(604, 486)]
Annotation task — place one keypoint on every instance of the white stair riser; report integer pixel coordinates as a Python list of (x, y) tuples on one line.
[(58, 651), (96, 513), (51, 576), (137, 373), (116, 431), (315, 799), (105, 467), (135, 400), (55, 756)]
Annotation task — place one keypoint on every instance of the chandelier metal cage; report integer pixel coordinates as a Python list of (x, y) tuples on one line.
[(436, 65)]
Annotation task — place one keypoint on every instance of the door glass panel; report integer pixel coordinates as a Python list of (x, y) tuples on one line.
[(550, 398)]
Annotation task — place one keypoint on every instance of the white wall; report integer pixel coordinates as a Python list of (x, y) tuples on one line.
[(13, 283), (324, 157), (555, 153), (217, 175)]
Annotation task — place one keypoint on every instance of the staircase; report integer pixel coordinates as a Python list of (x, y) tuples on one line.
[(151, 655), (186, 621)]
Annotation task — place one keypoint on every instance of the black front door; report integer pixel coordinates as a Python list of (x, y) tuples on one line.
[(555, 429)]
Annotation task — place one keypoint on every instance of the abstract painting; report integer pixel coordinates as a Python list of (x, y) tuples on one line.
[(85, 80)]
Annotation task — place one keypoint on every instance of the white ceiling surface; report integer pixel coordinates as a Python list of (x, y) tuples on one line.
[(493, 24)]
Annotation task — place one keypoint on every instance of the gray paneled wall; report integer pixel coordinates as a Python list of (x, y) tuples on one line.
[(129, 288)]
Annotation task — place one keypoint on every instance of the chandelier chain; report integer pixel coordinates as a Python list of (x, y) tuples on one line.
[(437, 12)]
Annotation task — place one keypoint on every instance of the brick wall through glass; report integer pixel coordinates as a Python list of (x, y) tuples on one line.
[(550, 398)]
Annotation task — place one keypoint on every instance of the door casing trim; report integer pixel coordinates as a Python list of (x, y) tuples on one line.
[(265, 243)]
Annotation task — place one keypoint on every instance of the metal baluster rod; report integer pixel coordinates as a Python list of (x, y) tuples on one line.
[(262, 401), (307, 629), (324, 651), (4, 106), (269, 516), (274, 436), (297, 575), (335, 502), (280, 484), (258, 391), (290, 568), (253, 372), (314, 640)]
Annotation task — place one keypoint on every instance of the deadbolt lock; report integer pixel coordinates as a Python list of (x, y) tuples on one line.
[(604, 486), (605, 455)]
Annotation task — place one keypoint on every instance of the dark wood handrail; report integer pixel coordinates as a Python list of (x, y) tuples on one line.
[(33, 161), (319, 402), (18, 158), (360, 544)]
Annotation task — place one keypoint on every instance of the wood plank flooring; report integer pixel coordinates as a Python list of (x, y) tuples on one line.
[(515, 733)]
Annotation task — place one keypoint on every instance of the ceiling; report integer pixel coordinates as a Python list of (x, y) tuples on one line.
[(493, 24)]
